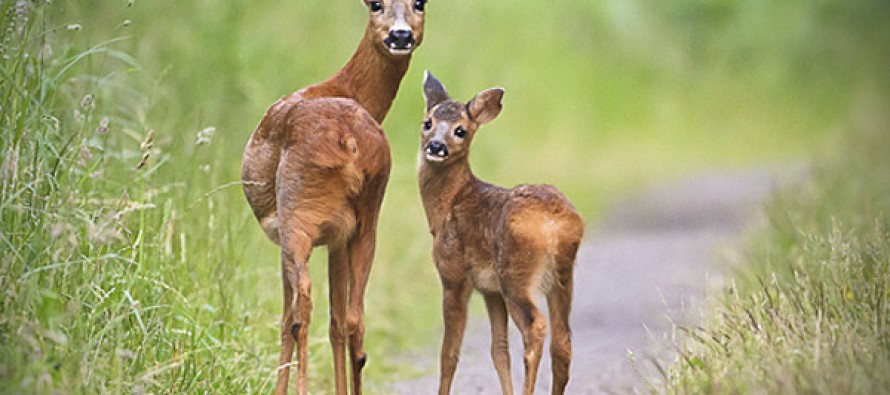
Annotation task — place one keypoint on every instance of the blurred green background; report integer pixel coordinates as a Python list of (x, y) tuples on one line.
[(602, 97)]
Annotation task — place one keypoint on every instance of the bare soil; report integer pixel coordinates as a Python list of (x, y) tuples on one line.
[(643, 270)]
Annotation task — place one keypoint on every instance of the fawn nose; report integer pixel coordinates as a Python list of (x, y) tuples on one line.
[(437, 148), (400, 39)]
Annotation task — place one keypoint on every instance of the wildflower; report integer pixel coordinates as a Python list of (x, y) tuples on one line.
[(205, 136), (103, 126), (87, 102), (85, 156)]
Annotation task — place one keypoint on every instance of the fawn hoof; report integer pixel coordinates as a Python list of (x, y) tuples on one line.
[(295, 328)]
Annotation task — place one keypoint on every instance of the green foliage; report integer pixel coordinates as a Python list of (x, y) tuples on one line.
[(811, 313), (114, 279), (120, 279)]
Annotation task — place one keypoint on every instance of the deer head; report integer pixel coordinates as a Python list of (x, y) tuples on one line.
[(397, 25), (450, 125)]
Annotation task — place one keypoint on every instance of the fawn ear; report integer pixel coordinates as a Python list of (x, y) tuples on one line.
[(486, 106), (433, 91)]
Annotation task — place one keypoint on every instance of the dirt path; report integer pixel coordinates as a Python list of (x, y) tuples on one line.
[(646, 264)]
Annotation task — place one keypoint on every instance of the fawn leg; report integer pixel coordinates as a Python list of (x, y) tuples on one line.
[(500, 348), (533, 327), (454, 311), (559, 303)]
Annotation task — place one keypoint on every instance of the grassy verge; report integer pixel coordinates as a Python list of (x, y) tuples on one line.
[(810, 312), (121, 279), (115, 277)]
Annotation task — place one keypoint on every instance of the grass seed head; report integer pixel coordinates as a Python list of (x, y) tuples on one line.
[(148, 143)]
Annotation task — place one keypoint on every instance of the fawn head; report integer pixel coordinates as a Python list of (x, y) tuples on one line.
[(397, 25), (450, 125)]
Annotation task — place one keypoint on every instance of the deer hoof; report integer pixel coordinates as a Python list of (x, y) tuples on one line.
[(295, 328), (362, 360)]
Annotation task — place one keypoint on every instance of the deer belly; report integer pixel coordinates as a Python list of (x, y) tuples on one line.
[(486, 279)]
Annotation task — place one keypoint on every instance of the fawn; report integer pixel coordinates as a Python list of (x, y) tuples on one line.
[(508, 244), (314, 172)]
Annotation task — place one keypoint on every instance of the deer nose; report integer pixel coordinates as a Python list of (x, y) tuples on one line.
[(437, 148), (401, 39)]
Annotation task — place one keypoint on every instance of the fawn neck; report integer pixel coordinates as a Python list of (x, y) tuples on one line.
[(371, 77), (439, 187)]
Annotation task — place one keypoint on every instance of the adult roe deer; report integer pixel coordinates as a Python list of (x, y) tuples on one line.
[(314, 172), (508, 244)]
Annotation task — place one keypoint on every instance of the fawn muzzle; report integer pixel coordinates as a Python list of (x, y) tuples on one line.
[(436, 151)]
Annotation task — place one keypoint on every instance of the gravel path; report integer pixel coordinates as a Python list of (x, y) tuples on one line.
[(644, 266)]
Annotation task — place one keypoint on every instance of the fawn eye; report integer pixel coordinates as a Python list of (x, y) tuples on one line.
[(460, 132), (419, 5), (375, 6), (428, 124)]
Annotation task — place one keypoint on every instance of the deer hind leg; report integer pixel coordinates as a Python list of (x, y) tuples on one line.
[(361, 254), (287, 340), (559, 303), (295, 249), (297, 308), (533, 327), (500, 347), (338, 280)]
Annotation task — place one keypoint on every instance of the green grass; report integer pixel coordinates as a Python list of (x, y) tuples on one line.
[(809, 311), (118, 279)]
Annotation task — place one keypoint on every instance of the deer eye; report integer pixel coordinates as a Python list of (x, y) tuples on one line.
[(419, 5), (460, 132), (428, 124), (375, 6)]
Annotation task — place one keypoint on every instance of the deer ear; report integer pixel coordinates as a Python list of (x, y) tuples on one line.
[(433, 91), (486, 106)]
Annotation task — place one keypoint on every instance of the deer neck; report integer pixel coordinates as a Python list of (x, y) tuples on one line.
[(440, 187), (372, 76)]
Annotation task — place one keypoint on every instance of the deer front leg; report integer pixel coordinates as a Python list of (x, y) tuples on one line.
[(297, 311), (338, 281), (500, 347), (454, 312)]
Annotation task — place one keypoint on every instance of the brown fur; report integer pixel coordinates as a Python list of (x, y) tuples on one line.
[(314, 171), (507, 244)]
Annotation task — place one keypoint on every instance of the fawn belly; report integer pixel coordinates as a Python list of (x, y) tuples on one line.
[(484, 278)]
